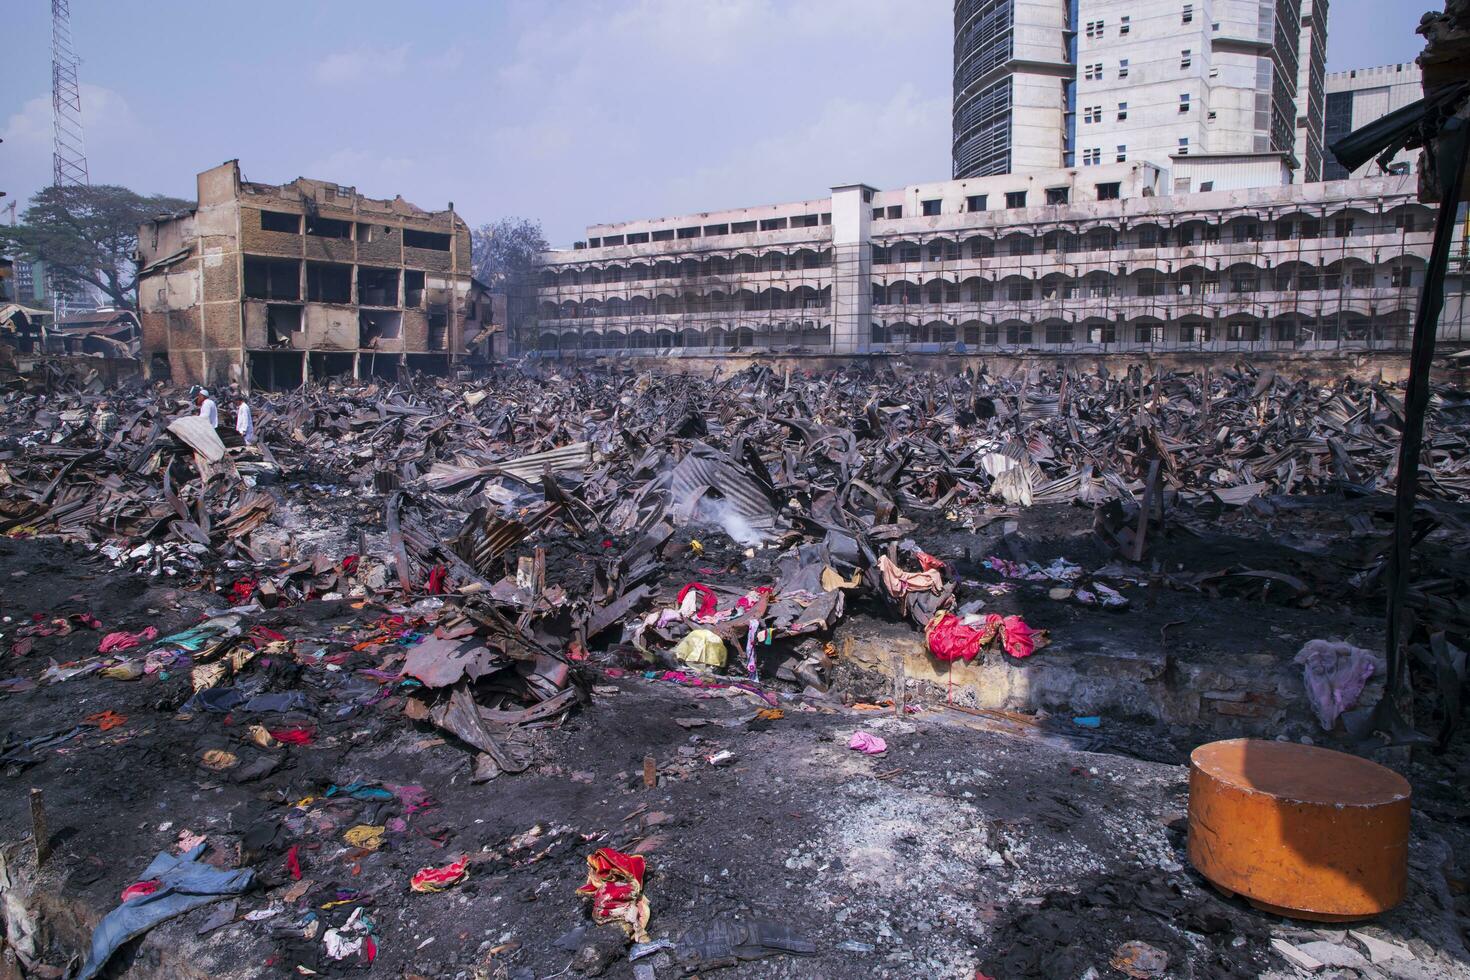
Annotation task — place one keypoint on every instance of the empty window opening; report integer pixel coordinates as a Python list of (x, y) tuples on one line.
[(664, 235), (806, 221), (274, 370), (377, 287), (372, 233), (374, 326), (1249, 331), (1057, 195), (279, 221), (931, 207), (283, 326), (328, 283), (413, 288), (438, 331), (426, 239), (638, 238), (691, 232), (773, 224), (322, 365), (327, 227), (1108, 191), (272, 279)]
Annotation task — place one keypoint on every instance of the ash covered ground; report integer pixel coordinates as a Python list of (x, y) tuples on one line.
[(383, 640)]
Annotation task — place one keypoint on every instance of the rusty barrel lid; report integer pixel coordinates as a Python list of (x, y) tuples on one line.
[(1297, 829)]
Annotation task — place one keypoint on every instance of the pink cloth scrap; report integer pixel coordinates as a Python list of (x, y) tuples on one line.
[(867, 744), (126, 641)]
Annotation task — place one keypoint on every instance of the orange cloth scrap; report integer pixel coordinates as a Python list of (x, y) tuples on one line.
[(106, 720), (615, 885)]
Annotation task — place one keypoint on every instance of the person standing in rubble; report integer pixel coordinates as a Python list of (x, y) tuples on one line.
[(104, 421), (207, 408), (244, 420)]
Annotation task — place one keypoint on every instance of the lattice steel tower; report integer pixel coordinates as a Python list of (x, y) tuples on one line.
[(68, 149)]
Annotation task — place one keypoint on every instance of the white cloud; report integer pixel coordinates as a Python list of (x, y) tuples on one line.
[(113, 136), (895, 141), (361, 64), (663, 106)]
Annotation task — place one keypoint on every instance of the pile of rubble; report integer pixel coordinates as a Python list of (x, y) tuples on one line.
[(478, 559)]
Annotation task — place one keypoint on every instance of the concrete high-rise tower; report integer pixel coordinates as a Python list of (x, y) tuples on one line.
[(1207, 89), (1014, 72)]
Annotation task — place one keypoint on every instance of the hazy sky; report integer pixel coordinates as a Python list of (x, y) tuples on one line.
[(568, 112)]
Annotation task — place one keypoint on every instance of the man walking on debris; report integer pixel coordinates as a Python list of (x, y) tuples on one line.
[(244, 419)]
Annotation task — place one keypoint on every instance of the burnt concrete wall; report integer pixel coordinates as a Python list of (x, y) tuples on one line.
[(1314, 366)]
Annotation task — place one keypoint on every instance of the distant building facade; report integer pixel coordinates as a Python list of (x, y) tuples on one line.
[(1357, 97), (1042, 84), (1097, 258), (275, 284)]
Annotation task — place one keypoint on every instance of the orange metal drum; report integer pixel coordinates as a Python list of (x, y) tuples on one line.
[(1302, 831)]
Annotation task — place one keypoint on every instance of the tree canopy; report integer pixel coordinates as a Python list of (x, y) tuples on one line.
[(87, 235), (506, 248)]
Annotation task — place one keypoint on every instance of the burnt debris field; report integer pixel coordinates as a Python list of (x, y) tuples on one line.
[(870, 673)]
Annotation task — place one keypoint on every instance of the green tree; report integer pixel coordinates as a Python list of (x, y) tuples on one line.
[(87, 235)]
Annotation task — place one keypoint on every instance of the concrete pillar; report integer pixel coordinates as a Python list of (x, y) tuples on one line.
[(852, 268)]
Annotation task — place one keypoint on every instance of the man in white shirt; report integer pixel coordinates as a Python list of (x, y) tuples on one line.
[(207, 408), (245, 422)]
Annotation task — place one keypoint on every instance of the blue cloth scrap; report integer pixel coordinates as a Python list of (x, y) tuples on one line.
[(184, 883)]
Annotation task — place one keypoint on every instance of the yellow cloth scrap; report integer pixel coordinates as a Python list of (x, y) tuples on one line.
[(211, 674), (701, 647), (369, 837), (832, 579), (219, 760), (128, 670), (261, 737)]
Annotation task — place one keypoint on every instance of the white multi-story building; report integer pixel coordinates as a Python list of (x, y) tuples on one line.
[(1356, 98), (1311, 92), (1213, 84), (1093, 258)]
